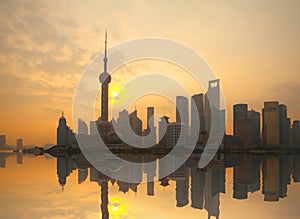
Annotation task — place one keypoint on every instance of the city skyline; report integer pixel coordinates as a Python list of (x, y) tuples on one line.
[(41, 64)]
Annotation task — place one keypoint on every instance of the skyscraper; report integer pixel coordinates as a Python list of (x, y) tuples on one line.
[(162, 134), (212, 101), (271, 133), (242, 124), (150, 125), (255, 127), (182, 112), (284, 126), (240, 111), (197, 114), (296, 134)]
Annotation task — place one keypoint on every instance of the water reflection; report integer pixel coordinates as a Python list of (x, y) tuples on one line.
[(198, 188), (203, 186)]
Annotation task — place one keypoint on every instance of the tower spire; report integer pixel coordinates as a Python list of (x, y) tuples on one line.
[(105, 55)]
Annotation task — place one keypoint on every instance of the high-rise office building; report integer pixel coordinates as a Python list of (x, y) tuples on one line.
[(284, 126), (182, 112), (271, 130), (2, 142), (255, 127), (212, 101), (136, 125), (150, 126), (242, 124), (173, 134), (197, 114), (240, 112), (162, 133), (296, 134)]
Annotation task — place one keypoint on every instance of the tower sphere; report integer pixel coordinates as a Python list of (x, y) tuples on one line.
[(105, 78)]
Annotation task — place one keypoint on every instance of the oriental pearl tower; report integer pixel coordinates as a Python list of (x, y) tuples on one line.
[(103, 125), (104, 79)]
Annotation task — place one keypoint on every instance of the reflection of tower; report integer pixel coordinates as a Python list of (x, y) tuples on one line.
[(105, 79), (212, 198), (62, 170), (271, 178), (103, 183), (197, 188)]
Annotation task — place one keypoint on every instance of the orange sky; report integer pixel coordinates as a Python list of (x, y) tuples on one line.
[(253, 47)]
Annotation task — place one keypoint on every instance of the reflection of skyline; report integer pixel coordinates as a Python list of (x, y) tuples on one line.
[(204, 186)]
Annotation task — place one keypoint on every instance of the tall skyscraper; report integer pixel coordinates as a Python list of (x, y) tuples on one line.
[(197, 114), (150, 125), (182, 112), (162, 134), (62, 131), (136, 125), (240, 112), (242, 124), (2, 142), (65, 136), (213, 106), (255, 127), (284, 126), (197, 188), (271, 131), (296, 134)]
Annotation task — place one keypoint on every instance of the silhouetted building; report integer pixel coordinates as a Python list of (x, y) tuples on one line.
[(271, 130), (182, 112), (296, 134), (162, 133), (20, 144), (213, 92), (255, 127), (2, 142), (284, 127), (197, 114), (65, 136), (150, 125), (240, 112), (243, 131), (136, 124), (173, 134)]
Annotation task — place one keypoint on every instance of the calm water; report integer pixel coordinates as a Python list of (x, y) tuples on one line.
[(229, 187)]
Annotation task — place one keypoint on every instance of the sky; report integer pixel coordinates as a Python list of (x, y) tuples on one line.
[(252, 46)]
